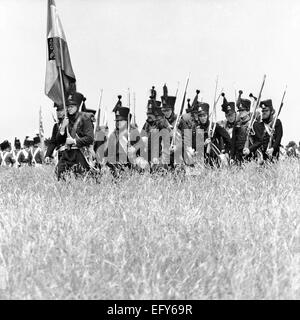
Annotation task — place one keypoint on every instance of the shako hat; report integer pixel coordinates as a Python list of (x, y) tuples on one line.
[(152, 105), (36, 139), (121, 113), (75, 98), (227, 107), (4, 145), (267, 104), (203, 107), (118, 104), (244, 105)]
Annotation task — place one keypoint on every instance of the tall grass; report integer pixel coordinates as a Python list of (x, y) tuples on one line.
[(223, 234)]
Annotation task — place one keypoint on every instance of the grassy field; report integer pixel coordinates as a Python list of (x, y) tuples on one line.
[(224, 234)]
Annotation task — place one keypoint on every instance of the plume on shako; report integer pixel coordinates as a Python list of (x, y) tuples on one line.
[(195, 103), (152, 102), (153, 93), (168, 102), (165, 92), (189, 107), (118, 104)]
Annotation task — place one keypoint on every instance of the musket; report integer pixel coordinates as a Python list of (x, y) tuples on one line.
[(97, 127), (211, 130), (134, 119), (177, 89), (275, 120), (128, 121), (252, 119), (180, 115)]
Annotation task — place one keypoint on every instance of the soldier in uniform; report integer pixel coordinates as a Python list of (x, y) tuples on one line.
[(7, 158), (52, 146), (17, 152), (230, 115), (172, 155), (119, 154), (192, 121), (36, 156), (239, 135), (100, 143), (212, 141), (149, 132), (268, 122), (76, 132)]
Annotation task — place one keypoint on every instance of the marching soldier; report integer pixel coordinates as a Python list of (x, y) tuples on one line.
[(191, 119), (239, 152), (36, 157), (17, 152), (171, 158), (152, 150), (52, 146), (212, 152), (6, 156), (270, 150), (229, 109), (121, 152), (76, 132)]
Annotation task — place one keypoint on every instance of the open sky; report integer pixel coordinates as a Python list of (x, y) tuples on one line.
[(119, 44)]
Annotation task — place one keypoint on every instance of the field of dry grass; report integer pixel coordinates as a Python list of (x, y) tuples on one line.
[(223, 234)]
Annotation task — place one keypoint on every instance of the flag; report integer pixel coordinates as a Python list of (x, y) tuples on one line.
[(57, 57)]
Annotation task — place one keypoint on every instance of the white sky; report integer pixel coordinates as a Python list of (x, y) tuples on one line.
[(135, 44)]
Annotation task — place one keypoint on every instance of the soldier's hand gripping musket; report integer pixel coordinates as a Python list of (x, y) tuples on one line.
[(275, 133), (212, 126), (172, 147), (274, 122), (246, 150)]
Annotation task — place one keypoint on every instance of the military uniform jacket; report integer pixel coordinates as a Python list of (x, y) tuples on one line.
[(22, 157), (7, 159), (117, 144), (276, 141), (219, 139), (36, 156), (239, 135), (81, 129), (53, 142), (150, 130)]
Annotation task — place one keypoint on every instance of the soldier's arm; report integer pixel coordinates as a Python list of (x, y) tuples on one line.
[(88, 134), (278, 134), (52, 142), (186, 133), (61, 137), (233, 142), (222, 133), (259, 130)]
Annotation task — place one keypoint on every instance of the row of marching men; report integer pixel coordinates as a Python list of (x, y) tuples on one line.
[(166, 141), (31, 154)]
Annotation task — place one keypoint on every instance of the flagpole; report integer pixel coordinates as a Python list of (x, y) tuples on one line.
[(62, 84), (41, 131)]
